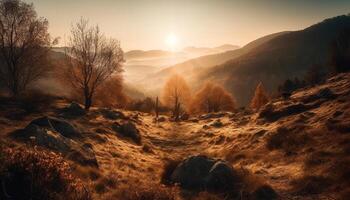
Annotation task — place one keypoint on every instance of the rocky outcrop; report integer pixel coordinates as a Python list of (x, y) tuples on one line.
[(57, 125), (129, 130), (74, 110), (202, 172), (51, 139)]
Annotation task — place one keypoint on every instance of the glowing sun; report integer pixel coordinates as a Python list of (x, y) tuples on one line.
[(171, 40)]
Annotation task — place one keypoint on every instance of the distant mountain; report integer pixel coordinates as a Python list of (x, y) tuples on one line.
[(191, 68), (140, 64), (140, 54), (283, 56), (201, 51)]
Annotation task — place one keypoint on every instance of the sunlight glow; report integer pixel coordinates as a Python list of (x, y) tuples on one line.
[(171, 40)]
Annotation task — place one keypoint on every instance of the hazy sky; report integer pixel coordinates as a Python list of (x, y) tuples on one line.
[(148, 24)]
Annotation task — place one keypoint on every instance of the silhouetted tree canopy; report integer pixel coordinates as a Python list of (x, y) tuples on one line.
[(24, 45), (340, 52), (92, 59)]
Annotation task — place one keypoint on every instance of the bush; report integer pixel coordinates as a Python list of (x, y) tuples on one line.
[(287, 140), (150, 192), (38, 174), (36, 101), (212, 98)]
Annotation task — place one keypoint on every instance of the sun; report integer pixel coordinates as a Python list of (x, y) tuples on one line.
[(171, 40)]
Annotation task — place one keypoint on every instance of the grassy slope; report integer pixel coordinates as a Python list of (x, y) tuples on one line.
[(311, 149)]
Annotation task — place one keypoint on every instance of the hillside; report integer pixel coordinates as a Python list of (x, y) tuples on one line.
[(191, 68), (299, 146), (285, 56)]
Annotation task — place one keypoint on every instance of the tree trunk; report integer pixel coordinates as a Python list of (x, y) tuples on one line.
[(88, 103), (157, 108)]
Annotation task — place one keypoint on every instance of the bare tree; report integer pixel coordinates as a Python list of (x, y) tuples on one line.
[(176, 94), (212, 98), (92, 59), (24, 45), (260, 97)]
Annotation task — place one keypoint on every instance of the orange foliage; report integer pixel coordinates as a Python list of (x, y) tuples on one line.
[(110, 93), (176, 94), (260, 98), (212, 98)]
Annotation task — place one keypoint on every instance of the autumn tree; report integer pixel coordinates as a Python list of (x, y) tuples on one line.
[(212, 98), (176, 95), (92, 59), (110, 93), (24, 45), (260, 97)]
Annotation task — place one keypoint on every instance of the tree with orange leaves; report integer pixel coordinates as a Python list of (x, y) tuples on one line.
[(260, 97), (176, 95), (212, 98)]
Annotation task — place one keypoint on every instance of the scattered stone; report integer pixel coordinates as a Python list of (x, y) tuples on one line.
[(265, 192), (58, 125), (161, 119), (129, 130), (212, 115), (272, 113), (322, 94), (217, 124), (194, 120), (37, 135), (204, 173), (74, 110), (112, 114), (185, 116)]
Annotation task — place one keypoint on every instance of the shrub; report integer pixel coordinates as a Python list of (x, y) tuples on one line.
[(38, 174), (260, 98), (287, 140), (36, 101), (212, 98), (149, 192)]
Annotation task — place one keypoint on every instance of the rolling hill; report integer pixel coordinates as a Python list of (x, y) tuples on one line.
[(285, 56), (191, 68)]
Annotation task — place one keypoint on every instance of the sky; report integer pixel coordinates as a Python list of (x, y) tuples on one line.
[(175, 24)]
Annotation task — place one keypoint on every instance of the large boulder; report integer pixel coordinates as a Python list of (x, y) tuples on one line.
[(74, 110), (112, 114), (40, 136), (128, 129), (202, 172), (58, 125)]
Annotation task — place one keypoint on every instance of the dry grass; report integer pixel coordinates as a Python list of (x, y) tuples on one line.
[(39, 174)]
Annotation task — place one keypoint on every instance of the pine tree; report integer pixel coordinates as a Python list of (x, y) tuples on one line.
[(260, 97)]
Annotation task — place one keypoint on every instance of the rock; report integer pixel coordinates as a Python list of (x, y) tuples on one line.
[(194, 120), (56, 141), (217, 124), (264, 192), (112, 114), (185, 116), (212, 115), (322, 94), (272, 113), (58, 125), (202, 172), (129, 130), (74, 110), (161, 119)]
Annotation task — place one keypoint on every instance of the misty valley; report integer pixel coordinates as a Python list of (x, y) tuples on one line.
[(138, 100)]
